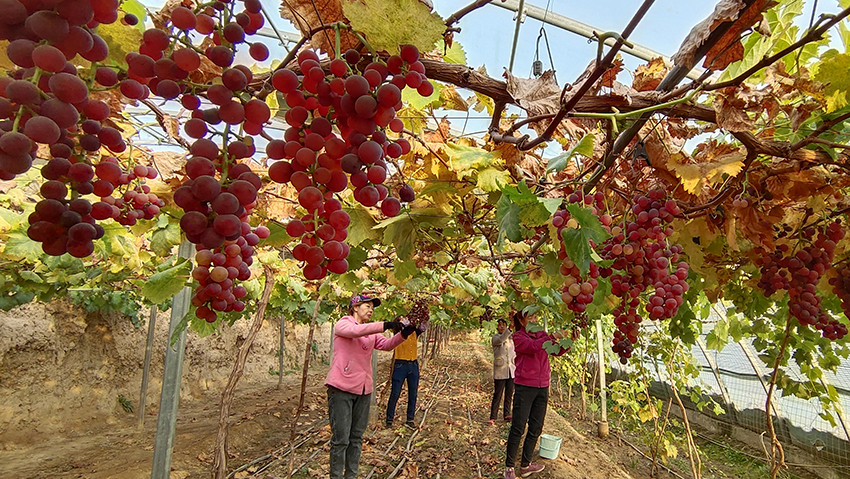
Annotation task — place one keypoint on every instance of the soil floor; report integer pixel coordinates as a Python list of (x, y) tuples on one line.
[(453, 438)]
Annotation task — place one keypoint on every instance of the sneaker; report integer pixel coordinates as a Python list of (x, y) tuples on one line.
[(509, 473), (389, 424), (410, 424), (508, 418), (530, 469), (491, 422)]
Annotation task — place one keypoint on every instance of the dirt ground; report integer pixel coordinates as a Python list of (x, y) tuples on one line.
[(453, 440)]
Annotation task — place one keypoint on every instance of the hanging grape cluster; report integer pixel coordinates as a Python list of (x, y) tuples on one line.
[(361, 103), (419, 313), (799, 272), (45, 102)]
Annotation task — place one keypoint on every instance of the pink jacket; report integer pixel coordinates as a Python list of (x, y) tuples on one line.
[(532, 361), (351, 364)]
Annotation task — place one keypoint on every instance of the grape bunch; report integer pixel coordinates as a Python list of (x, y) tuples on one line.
[(799, 274), (45, 101), (577, 292), (339, 122), (418, 313), (841, 287), (646, 269)]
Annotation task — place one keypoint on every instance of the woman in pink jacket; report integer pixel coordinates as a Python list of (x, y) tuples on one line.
[(349, 380), (531, 396)]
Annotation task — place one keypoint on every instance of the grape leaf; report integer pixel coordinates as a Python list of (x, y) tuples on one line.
[(451, 99), (390, 23), (583, 147), (454, 54), (122, 39), (695, 176), (202, 327), (361, 227), (492, 179), (577, 245), (587, 220), (400, 233), (404, 269), (161, 286), (163, 240), (507, 216), (18, 246), (137, 9), (468, 158), (832, 70), (410, 97), (277, 235)]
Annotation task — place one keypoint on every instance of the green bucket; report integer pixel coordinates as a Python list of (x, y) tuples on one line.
[(549, 446)]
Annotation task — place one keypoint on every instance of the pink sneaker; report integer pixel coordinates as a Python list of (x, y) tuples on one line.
[(530, 469), (509, 473)]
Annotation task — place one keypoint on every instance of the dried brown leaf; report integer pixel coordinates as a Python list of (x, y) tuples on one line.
[(729, 48), (724, 11), (757, 225), (169, 164), (649, 76), (731, 114), (309, 14), (536, 95), (611, 73)]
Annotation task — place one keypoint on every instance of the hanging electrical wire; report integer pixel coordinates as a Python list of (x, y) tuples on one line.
[(537, 65)]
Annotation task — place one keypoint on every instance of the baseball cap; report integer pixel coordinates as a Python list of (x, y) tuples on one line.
[(362, 298)]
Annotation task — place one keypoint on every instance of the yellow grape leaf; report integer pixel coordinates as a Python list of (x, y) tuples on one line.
[(415, 100), (484, 101), (832, 71), (695, 176), (5, 63), (121, 39), (390, 23), (492, 179), (453, 54), (452, 100), (467, 158)]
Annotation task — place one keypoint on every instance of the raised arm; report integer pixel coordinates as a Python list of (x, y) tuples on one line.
[(347, 328), (525, 344), (499, 339)]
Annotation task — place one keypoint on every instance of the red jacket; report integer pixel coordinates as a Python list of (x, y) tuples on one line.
[(532, 361), (351, 362)]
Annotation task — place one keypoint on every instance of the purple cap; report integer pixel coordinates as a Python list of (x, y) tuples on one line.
[(362, 298)]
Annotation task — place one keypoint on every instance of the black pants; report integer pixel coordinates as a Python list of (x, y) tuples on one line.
[(529, 408), (505, 386)]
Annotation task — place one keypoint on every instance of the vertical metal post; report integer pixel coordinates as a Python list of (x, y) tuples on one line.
[(166, 420), (519, 14), (146, 369), (602, 428)]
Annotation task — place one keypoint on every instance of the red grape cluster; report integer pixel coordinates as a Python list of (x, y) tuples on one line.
[(841, 287), (44, 101), (577, 292), (418, 313), (645, 263), (318, 162), (799, 274)]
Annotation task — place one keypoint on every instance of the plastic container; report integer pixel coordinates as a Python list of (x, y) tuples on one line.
[(549, 446)]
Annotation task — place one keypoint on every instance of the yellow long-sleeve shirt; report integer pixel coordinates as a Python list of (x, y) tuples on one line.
[(407, 349)]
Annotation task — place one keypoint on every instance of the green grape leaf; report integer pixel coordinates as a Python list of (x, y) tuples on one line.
[(161, 286), (202, 327), (122, 39), (361, 227), (577, 245), (832, 70), (507, 216), (137, 9), (390, 23), (30, 276), (277, 235), (455, 54), (404, 269), (418, 102), (18, 246), (163, 240), (584, 147), (493, 179), (587, 220), (464, 158), (356, 257), (180, 327), (401, 234), (483, 102)]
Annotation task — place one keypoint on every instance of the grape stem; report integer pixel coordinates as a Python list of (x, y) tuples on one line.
[(34, 81)]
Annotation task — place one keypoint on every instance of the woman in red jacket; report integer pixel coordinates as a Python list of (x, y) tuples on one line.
[(531, 395), (349, 380)]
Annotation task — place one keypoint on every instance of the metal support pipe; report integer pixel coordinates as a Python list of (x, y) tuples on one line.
[(166, 420), (519, 13), (583, 29), (602, 427)]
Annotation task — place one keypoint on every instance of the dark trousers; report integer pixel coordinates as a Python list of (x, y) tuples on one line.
[(402, 370), (505, 386), (529, 408), (349, 415)]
